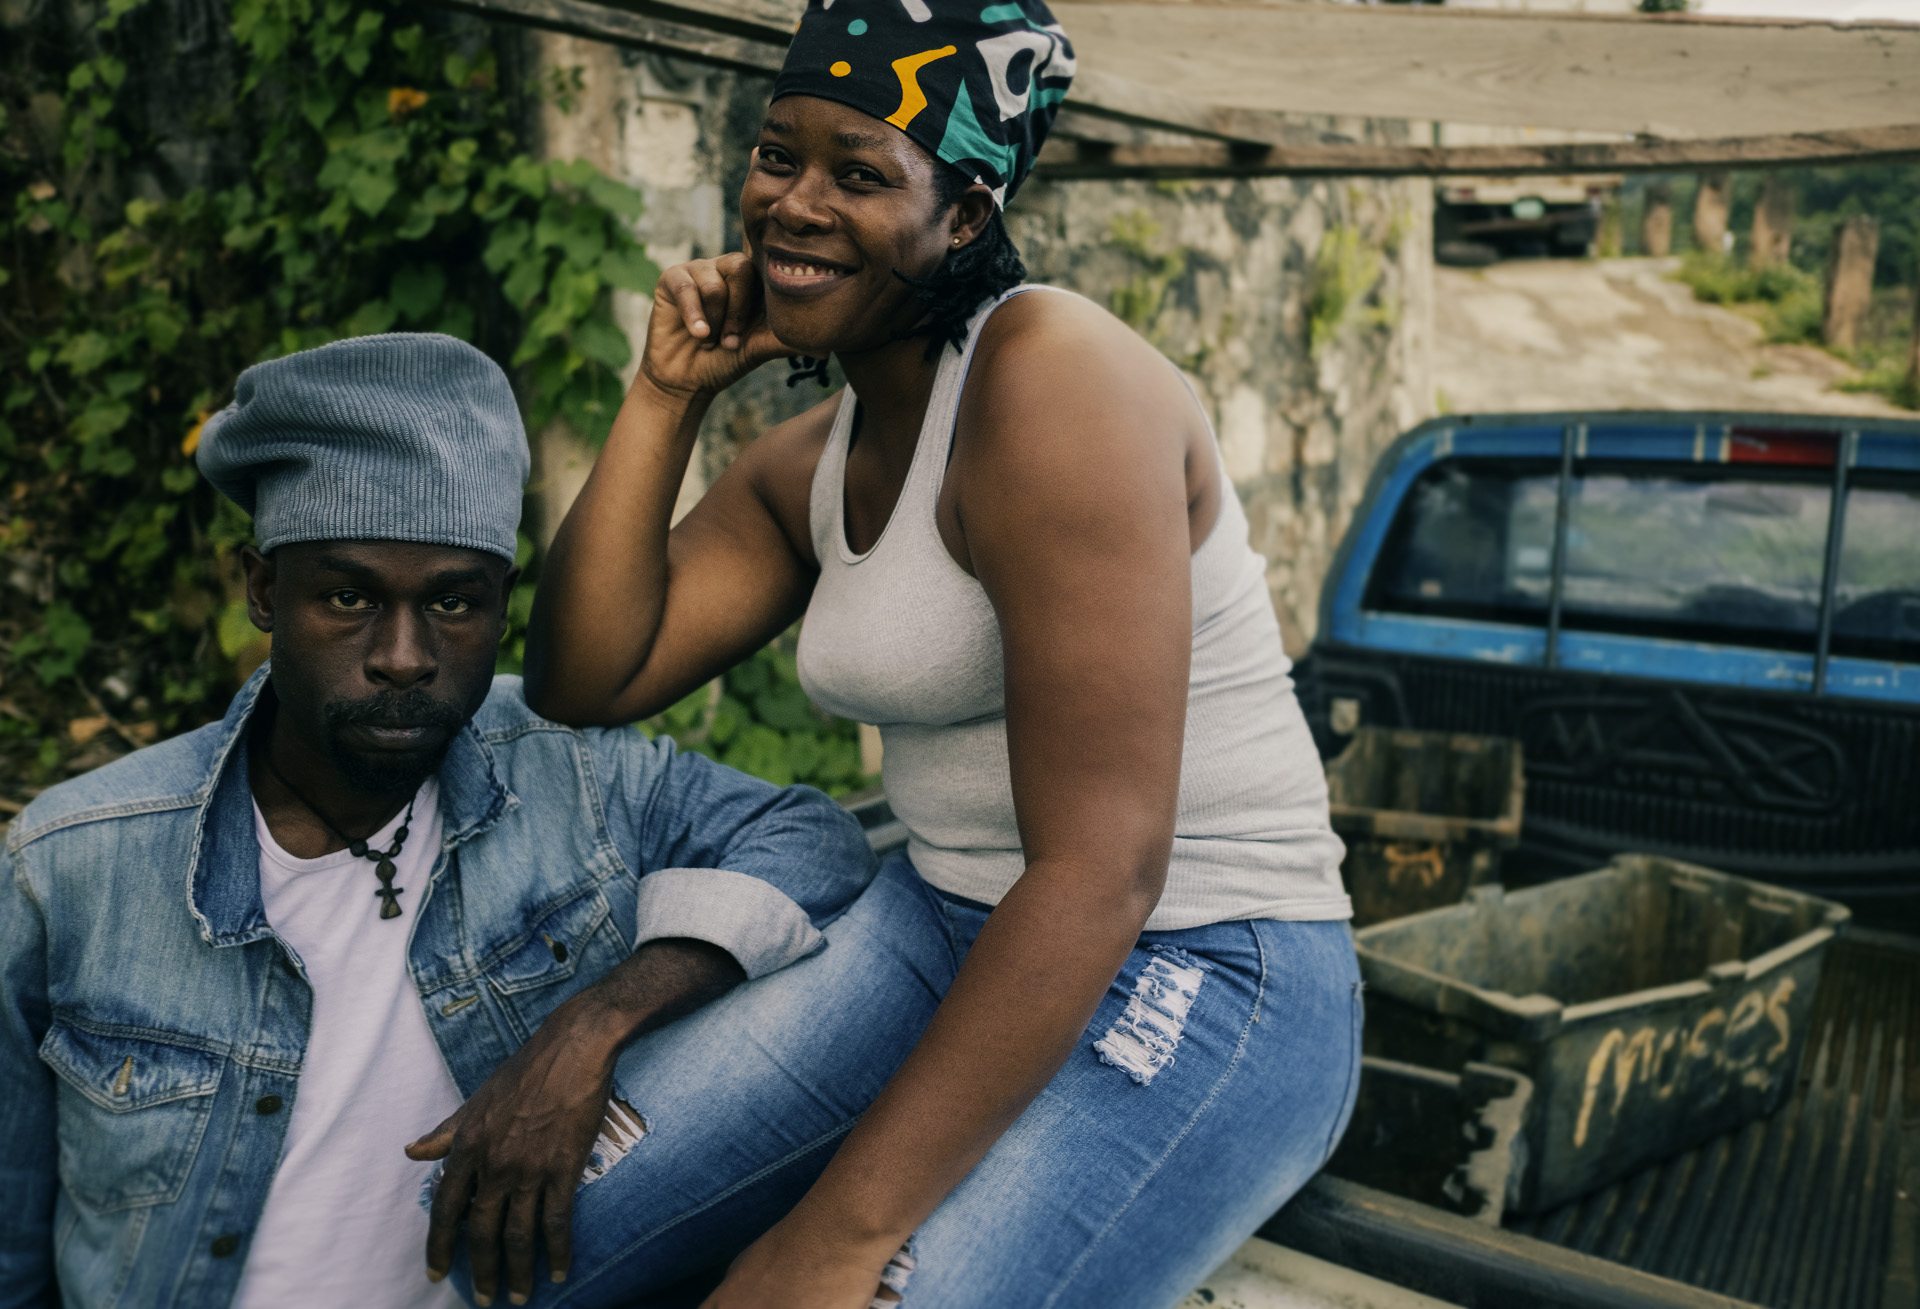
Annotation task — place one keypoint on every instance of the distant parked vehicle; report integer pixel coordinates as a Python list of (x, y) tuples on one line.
[(1479, 220)]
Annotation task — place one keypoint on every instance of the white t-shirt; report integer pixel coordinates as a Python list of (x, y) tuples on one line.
[(343, 1223)]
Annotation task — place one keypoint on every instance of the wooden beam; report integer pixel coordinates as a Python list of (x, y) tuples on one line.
[(1669, 76), (705, 44), (1067, 159), (1111, 127)]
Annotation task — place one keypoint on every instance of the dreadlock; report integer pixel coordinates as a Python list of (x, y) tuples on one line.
[(977, 271)]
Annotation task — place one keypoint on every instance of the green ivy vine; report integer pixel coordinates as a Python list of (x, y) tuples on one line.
[(378, 180), (757, 719)]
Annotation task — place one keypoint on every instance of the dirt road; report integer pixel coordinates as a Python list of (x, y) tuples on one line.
[(1616, 334)]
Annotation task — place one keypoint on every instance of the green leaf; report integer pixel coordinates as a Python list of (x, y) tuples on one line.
[(102, 417), (804, 754), (523, 174), (370, 318), (370, 190), (617, 198), (418, 222), (85, 352), (163, 324), (417, 289), (761, 751), (527, 280), (630, 270), (787, 708), (601, 340), (508, 243), (59, 642), (571, 172), (584, 239), (317, 106), (180, 478), (457, 321)]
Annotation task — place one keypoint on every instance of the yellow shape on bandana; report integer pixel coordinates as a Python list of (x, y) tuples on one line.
[(840, 68), (912, 98)]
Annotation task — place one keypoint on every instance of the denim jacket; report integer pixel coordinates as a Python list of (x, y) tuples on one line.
[(152, 1025)]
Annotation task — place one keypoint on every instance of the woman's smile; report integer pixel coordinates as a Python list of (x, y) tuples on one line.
[(799, 275)]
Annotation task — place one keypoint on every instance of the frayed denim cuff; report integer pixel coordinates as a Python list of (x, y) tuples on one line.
[(749, 918)]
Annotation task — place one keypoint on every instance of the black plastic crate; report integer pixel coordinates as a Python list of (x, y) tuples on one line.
[(1653, 1004), (1425, 815)]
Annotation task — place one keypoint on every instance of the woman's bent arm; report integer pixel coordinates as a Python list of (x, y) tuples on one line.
[(1079, 533), (629, 616)]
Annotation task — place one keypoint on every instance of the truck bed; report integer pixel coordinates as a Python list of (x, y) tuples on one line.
[(1814, 1207), (1807, 1208)]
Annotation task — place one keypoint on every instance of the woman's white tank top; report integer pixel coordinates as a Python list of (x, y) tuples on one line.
[(901, 637)]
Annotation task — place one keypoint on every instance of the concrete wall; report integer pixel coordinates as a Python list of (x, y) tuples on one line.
[(1301, 311)]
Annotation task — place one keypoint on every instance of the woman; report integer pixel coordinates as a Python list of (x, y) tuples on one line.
[(1115, 993)]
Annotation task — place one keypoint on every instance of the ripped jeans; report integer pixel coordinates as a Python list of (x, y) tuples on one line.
[(1215, 1079)]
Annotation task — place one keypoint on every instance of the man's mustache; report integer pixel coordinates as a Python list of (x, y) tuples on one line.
[(395, 709)]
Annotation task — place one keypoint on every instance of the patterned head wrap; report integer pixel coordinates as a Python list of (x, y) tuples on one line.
[(976, 84)]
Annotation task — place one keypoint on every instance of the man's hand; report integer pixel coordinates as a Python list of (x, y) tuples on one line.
[(514, 1152)]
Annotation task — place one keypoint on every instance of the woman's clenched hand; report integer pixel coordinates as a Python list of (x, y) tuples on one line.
[(709, 327)]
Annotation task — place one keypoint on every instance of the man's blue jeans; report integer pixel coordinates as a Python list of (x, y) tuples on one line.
[(1215, 1079)]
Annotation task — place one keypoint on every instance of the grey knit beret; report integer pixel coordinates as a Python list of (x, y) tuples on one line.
[(399, 437)]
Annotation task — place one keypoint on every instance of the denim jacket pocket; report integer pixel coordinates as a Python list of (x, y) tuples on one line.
[(555, 949), (132, 1110), (573, 945)]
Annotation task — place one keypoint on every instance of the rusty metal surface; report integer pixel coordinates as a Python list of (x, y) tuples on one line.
[(1802, 1209)]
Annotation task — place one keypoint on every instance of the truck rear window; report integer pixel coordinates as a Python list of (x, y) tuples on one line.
[(1734, 560)]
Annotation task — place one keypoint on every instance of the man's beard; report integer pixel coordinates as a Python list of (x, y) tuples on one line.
[(385, 772)]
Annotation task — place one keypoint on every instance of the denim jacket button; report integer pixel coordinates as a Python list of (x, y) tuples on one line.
[(267, 1104), (223, 1246)]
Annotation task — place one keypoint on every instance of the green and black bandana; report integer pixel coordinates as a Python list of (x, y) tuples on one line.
[(976, 84)]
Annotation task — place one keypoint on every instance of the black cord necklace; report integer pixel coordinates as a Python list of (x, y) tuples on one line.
[(383, 859)]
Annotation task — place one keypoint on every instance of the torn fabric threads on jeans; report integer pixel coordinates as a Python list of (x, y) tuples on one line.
[(620, 1131), (894, 1278), (1142, 1040)]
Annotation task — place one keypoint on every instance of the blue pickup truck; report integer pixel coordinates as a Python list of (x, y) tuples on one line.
[(1704, 629)]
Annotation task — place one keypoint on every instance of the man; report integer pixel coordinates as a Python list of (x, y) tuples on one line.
[(241, 970)]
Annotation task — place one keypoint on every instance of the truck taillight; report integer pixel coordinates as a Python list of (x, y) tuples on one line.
[(1764, 445)]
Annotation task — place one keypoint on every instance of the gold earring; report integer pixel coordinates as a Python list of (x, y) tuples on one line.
[(956, 240)]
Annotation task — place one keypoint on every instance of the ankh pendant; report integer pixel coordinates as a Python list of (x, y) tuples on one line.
[(388, 892)]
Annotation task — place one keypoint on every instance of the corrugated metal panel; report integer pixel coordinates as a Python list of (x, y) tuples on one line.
[(1794, 1211)]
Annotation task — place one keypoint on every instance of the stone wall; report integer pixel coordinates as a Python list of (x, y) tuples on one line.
[(1301, 311)]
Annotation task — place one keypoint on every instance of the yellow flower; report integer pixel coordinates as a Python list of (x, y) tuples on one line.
[(403, 100), (192, 443)]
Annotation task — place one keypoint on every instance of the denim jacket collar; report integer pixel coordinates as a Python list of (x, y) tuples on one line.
[(223, 879)]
